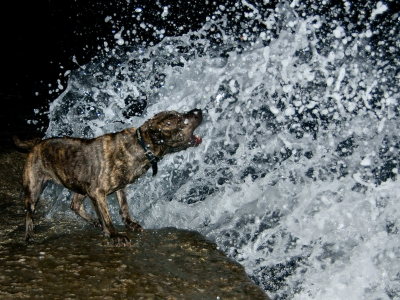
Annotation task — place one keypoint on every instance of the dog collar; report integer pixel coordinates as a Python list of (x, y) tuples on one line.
[(150, 156)]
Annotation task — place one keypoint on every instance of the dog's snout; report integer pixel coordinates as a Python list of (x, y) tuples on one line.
[(197, 113)]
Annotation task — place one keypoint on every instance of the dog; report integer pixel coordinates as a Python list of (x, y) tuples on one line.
[(104, 165)]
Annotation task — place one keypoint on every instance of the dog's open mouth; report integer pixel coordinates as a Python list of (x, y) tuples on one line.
[(195, 140)]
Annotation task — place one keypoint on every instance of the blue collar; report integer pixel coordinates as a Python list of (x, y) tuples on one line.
[(150, 156)]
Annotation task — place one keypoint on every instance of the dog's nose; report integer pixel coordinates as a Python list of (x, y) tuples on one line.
[(197, 113)]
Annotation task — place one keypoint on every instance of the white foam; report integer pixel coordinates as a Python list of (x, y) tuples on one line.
[(380, 9), (165, 12)]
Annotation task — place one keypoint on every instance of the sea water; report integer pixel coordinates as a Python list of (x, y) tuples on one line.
[(297, 175)]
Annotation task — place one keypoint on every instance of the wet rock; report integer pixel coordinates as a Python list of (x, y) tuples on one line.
[(71, 260), (11, 207), (77, 262), (11, 165)]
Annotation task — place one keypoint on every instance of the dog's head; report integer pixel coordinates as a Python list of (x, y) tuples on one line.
[(172, 131)]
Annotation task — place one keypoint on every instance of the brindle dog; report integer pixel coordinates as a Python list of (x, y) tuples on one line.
[(104, 165)]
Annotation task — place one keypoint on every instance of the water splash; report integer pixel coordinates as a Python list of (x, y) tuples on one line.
[(297, 175)]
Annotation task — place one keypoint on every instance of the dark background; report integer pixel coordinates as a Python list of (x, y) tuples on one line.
[(40, 38)]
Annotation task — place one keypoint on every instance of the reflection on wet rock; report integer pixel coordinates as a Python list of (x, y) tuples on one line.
[(72, 262)]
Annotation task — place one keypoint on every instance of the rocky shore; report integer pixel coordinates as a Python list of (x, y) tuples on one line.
[(71, 260)]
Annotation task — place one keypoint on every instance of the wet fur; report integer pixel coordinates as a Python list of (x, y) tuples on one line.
[(104, 165)]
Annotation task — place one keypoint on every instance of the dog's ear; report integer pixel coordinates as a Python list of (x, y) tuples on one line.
[(154, 127), (164, 128)]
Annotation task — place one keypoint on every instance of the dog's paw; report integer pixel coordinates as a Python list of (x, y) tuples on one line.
[(120, 239), (134, 226), (29, 238), (95, 223)]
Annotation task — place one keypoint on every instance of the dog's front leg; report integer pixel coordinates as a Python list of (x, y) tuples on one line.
[(77, 207), (124, 211), (100, 204)]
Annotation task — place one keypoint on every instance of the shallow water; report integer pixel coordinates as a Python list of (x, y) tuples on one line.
[(297, 176)]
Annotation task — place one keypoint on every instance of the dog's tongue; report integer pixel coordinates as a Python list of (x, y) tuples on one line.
[(196, 140)]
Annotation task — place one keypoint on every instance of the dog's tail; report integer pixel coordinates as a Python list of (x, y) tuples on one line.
[(28, 144)]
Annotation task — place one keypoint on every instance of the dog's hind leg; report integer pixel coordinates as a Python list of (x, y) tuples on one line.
[(99, 202), (77, 207), (32, 189), (124, 211)]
